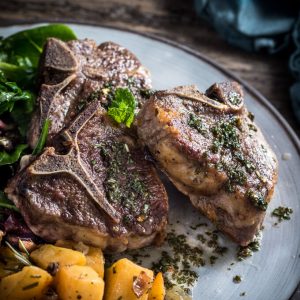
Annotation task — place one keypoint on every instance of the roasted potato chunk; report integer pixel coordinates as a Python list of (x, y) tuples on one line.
[(126, 280), (47, 254), (157, 291), (30, 283), (79, 282)]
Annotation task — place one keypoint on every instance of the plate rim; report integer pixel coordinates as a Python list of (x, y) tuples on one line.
[(199, 55)]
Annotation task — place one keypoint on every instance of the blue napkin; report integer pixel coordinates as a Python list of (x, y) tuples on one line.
[(259, 25)]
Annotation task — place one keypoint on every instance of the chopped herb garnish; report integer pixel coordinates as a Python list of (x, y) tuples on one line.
[(196, 123), (226, 136), (257, 200), (237, 279), (30, 286), (247, 251), (282, 213), (252, 127), (235, 176), (234, 98), (121, 186), (251, 116), (212, 259)]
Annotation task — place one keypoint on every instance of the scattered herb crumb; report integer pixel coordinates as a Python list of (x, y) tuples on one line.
[(247, 251), (237, 279), (282, 213), (243, 294), (30, 286)]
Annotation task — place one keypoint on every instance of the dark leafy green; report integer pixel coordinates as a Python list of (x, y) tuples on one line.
[(17, 102), (123, 107), (5, 203), (10, 158), (42, 139), (10, 93), (20, 52), (19, 58)]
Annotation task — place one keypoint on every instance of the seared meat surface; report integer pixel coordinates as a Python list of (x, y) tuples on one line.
[(212, 151), (75, 73), (97, 189)]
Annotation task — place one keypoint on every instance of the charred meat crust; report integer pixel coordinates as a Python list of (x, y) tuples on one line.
[(101, 191), (213, 152), (76, 72)]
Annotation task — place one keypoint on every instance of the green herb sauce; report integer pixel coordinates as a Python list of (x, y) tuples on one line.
[(121, 185), (196, 123), (247, 251), (282, 213), (257, 199)]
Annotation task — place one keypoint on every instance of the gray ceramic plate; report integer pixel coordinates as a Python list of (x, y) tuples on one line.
[(274, 272)]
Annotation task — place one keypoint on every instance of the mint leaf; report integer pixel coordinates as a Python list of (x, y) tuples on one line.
[(42, 139), (122, 107)]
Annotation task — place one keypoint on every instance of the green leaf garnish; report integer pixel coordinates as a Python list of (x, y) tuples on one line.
[(10, 158), (42, 139), (10, 93), (20, 52), (6, 203), (123, 107)]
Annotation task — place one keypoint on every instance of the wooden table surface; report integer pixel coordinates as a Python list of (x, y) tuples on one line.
[(172, 19)]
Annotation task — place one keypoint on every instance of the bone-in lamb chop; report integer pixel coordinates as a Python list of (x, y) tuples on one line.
[(212, 151), (75, 73), (99, 190)]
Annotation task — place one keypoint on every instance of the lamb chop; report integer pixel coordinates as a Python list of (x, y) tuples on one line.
[(97, 188), (212, 151), (77, 72)]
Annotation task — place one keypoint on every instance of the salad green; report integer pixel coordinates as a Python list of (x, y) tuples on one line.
[(6, 203), (19, 59), (20, 52), (42, 139)]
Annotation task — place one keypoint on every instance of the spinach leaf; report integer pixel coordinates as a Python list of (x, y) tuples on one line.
[(6, 203), (20, 52), (42, 139), (19, 103), (123, 107), (10, 158), (10, 93)]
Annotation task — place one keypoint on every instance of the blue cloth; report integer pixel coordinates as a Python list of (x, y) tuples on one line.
[(259, 25)]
